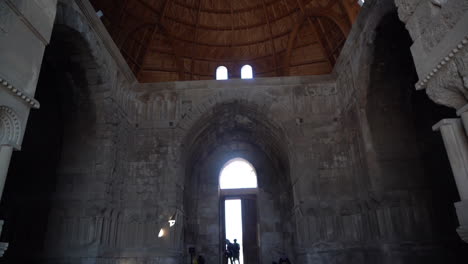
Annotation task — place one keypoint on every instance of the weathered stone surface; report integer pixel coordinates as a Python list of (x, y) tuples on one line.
[(347, 168)]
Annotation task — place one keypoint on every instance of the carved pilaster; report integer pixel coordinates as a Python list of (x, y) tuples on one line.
[(10, 134), (456, 145), (462, 213)]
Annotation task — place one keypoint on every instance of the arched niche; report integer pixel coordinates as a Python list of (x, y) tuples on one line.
[(408, 159), (53, 176), (234, 130)]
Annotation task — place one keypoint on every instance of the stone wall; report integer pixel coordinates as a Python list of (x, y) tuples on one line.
[(338, 158), (262, 119), (375, 78)]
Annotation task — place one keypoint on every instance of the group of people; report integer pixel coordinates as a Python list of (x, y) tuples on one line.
[(232, 251)]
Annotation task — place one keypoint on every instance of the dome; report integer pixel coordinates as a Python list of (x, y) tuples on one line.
[(176, 40)]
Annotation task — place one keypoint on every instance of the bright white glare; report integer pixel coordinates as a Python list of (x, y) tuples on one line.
[(238, 174), (161, 233), (221, 73), (171, 223), (233, 220), (246, 72), (361, 2)]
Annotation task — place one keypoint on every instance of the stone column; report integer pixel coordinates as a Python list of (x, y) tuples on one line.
[(5, 157), (456, 145)]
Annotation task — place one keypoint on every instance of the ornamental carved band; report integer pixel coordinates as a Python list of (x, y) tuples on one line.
[(10, 128)]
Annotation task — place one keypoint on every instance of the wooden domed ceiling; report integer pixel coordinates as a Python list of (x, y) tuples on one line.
[(175, 40)]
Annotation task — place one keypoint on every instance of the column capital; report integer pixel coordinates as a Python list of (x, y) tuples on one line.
[(463, 110), (463, 113), (445, 122)]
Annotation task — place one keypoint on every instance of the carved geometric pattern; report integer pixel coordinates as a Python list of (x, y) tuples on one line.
[(10, 127)]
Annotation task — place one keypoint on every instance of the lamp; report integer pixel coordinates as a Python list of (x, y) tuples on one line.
[(172, 220), (161, 232)]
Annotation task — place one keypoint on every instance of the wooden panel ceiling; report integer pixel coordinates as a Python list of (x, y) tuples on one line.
[(175, 40)]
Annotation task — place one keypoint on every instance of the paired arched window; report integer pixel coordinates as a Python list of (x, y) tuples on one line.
[(222, 72), (246, 72), (238, 174)]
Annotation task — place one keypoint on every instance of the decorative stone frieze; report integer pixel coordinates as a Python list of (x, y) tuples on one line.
[(422, 84), (20, 94), (10, 128)]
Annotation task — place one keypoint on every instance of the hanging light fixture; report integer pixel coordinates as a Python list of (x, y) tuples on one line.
[(161, 232), (172, 220)]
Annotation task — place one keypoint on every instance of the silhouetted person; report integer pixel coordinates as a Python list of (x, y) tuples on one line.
[(284, 261), (201, 260), (236, 251), (229, 251)]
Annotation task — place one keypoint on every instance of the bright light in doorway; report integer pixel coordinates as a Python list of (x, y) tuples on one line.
[(161, 233), (237, 174), (233, 221)]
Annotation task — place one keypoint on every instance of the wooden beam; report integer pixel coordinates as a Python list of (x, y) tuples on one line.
[(119, 22), (232, 24), (195, 37), (248, 43), (315, 30), (291, 43), (214, 28), (323, 40), (142, 53), (267, 18)]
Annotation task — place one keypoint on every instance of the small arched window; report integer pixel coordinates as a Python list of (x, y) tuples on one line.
[(246, 72), (221, 73), (238, 174)]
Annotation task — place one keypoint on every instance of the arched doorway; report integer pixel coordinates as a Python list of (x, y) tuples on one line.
[(222, 138), (238, 188)]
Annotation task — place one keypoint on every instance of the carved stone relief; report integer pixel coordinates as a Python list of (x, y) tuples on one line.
[(10, 127)]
